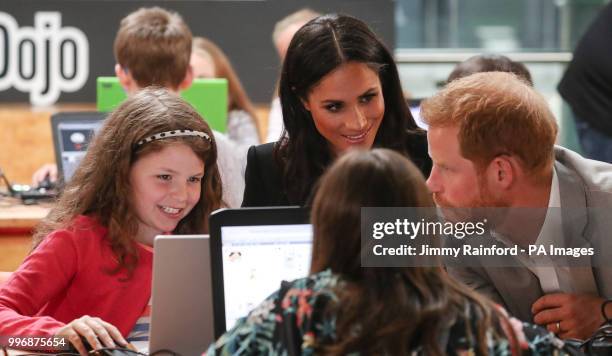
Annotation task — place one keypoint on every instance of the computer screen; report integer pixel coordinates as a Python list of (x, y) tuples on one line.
[(252, 251), (72, 133), (256, 259)]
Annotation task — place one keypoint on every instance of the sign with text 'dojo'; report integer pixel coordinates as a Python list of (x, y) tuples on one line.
[(43, 60)]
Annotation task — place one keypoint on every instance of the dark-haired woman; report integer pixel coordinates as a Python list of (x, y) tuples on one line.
[(339, 89), (343, 308)]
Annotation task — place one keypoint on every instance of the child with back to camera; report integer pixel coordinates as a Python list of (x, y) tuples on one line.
[(150, 170), (343, 308)]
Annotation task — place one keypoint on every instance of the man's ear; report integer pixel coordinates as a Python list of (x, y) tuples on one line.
[(125, 78), (186, 83), (503, 171)]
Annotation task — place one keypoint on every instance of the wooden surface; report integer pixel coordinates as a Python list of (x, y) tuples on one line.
[(25, 138), (25, 145), (26, 142), (21, 218), (16, 225)]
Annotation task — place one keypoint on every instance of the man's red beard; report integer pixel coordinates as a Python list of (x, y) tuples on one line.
[(484, 199)]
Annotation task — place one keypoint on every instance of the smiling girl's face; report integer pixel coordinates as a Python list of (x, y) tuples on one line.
[(166, 185), (347, 107)]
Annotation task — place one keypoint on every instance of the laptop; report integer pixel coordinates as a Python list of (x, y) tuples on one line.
[(181, 304), (207, 96), (252, 251), (72, 132)]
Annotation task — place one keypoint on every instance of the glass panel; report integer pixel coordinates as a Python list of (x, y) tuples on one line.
[(493, 25), (432, 36)]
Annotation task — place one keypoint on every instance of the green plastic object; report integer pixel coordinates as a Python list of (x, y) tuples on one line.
[(207, 96)]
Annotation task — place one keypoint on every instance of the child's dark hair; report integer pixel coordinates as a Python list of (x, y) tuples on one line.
[(490, 63)]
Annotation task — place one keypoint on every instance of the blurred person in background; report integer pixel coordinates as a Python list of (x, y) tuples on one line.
[(281, 37), (209, 61), (587, 87)]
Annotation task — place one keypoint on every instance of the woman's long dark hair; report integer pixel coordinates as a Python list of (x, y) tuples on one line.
[(390, 310), (318, 48)]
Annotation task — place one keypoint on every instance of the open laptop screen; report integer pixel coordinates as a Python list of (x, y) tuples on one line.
[(72, 133), (256, 259), (255, 251)]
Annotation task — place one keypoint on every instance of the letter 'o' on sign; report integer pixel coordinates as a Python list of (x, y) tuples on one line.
[(44, 60)]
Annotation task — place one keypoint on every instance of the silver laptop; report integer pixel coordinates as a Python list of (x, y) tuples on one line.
[(181, 305)]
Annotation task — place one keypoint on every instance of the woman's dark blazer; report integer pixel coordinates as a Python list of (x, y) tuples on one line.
[(263, 177)]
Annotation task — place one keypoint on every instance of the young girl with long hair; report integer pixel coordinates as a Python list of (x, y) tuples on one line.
[(150, 170)]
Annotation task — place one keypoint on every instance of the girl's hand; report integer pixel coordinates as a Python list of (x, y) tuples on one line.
[(93, 330)]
